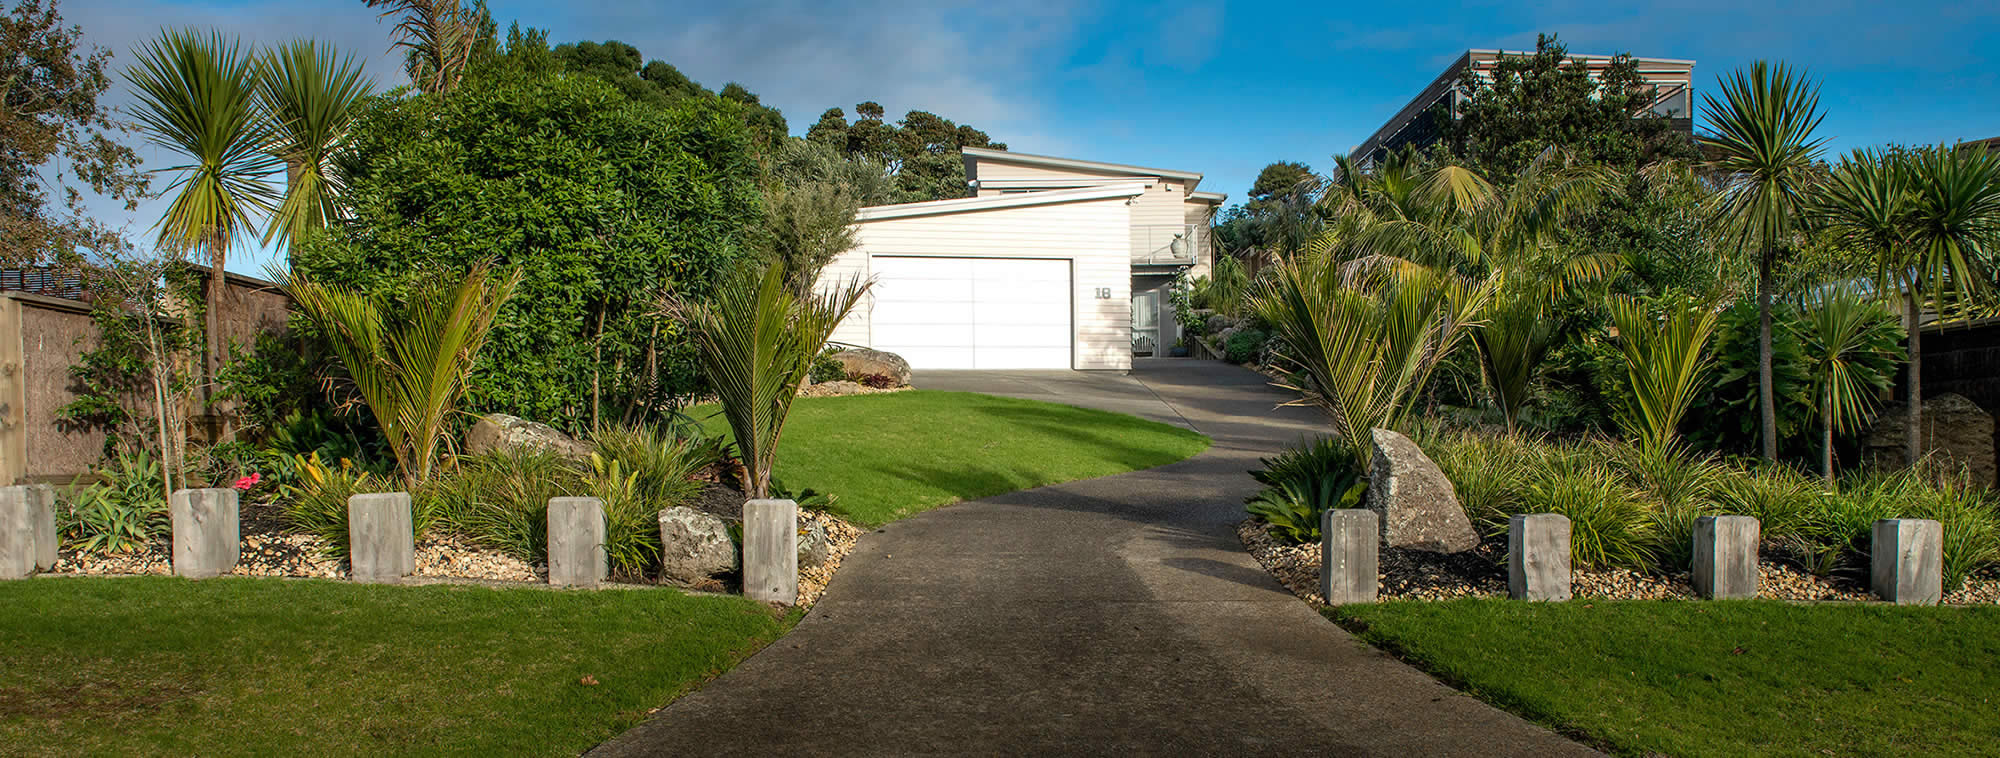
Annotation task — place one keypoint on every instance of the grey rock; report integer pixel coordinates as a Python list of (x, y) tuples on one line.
[(576, 542), (499, 432), (381, 539), (837, 388), (1538, 557), (694, 545), (1725, 556), (771, 551), (1955, 428), (1906, 561), (1350, 556), (1214, 323), (1418, 505), (208, 537), (861, 360), (1222, 336), (815, 546)]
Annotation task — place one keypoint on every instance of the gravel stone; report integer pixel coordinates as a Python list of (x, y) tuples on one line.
[(1482, 572)]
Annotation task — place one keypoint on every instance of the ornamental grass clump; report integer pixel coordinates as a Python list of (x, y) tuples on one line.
[(1609, 527), (1488, 472), (1785, 501), (314, 501)]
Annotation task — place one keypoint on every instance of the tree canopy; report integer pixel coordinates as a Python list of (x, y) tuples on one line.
[(604, 203), (49, 109), (921, 152), (1548, 98), (660, 84)]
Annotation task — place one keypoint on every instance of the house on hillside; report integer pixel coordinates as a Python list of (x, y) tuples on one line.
[(1416, 125), (1053, 263)]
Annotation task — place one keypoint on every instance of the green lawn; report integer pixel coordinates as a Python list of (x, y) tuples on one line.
[(1717, 678), (888, 456), (163, 666)]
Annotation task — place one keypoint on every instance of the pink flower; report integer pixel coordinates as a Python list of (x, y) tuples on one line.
[(249, 481)]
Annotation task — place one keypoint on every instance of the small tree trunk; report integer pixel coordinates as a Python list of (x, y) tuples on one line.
[(160, 377), (1914, 421), (596, 369), (1826, 439), (1767, 403)]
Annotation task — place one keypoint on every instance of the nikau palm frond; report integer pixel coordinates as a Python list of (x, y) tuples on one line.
[(410, 360), (1666, 364), (755, 340), (1367, 334)]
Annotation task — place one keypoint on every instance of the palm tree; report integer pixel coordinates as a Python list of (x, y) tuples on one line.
[(1762, 147), (439, 37), (197, 98), (1953, 225), (1666, 362), (1366, 334), (309, 97), (1452, 218), (755, 339), (409, 357), (1850, 345)]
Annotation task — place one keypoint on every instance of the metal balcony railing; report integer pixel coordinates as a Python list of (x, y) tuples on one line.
[(1166, 244)]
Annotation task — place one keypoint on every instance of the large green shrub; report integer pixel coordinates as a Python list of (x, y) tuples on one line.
[(602, 203), (1244, 345)]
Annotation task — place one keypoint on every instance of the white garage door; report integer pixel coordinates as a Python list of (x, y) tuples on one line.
[(988, 313)]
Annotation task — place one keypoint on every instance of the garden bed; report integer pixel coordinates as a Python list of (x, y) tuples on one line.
[(1482, 572), (271, 551)]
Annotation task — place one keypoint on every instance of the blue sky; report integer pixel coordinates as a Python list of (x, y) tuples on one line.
[(1220, 88)]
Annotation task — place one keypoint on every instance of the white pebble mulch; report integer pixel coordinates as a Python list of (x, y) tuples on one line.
[(1482, 572)]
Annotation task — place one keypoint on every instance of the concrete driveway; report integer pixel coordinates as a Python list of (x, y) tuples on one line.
[(1111, 615)]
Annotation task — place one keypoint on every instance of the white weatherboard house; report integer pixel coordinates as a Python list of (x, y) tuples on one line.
[(1054, 264)]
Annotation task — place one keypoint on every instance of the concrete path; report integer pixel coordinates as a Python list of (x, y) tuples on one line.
[(1113, 615)]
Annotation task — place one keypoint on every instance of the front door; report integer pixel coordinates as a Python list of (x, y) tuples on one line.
[(1146, 323)]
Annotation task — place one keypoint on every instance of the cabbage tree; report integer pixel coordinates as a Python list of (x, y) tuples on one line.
[(1850, 350), (1764, 153), (309, 97), (197, 99)]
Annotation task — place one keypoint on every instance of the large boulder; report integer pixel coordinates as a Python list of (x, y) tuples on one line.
[(1418, 506), (694, 546), (861, 360), (497, 432), (1955, 429)]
